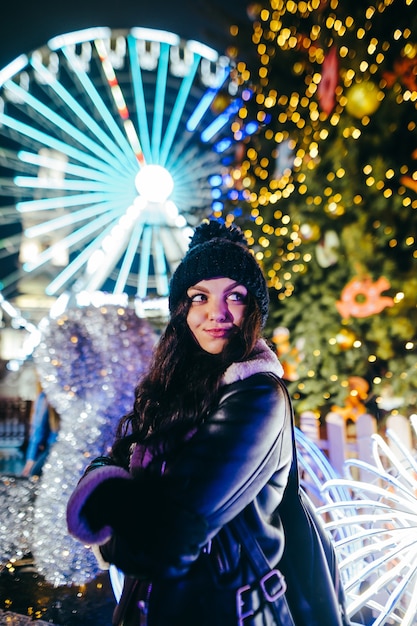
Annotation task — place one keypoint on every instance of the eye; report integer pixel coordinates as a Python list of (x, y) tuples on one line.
[(197, 297), (237, 296)]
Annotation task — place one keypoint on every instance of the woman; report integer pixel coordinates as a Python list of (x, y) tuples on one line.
[(43, 434), (206, 457)]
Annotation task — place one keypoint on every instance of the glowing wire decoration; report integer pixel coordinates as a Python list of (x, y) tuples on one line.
[(373, 524), (107, 151)]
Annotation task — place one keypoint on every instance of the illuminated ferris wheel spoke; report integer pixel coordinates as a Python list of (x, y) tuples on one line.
[(79, 112), (84, 256), (66, 184), (31, 182), (183, 158), (159, 262), (70, 219), (136, 74), (159, 101), (109, 256), (190, 166), (73, 239), (59, 165), (119, 100), (129, 257), (99, 105), (144, 262), (114, 247), (47, 204), (93, 193), (180, 156), (63, 125), (175, 244), (204, 104), (177, 111), (42, 138), (221, 120)]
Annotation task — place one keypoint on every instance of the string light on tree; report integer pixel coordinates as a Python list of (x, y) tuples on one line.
[(338, 80)]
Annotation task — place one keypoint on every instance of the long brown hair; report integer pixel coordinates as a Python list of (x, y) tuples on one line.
[(182, 383)]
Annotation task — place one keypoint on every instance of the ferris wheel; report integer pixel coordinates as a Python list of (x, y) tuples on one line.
[(114, 144)]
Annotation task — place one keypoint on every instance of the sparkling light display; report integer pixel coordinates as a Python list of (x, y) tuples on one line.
[(372, 522), (17, 496), (373, 526), (89, 361)]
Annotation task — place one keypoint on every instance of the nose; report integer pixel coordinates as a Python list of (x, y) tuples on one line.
[(218, 311)]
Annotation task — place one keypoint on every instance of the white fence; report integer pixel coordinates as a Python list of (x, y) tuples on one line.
[(354, 440)]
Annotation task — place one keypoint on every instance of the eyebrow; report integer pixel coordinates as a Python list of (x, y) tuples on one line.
[(197, 287)]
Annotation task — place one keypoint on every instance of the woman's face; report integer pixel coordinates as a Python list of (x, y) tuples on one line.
[(217, 307)]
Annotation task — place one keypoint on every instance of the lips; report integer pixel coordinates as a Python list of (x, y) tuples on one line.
[(218, 332)]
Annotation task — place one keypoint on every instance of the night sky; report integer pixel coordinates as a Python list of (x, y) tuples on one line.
[(28, 24)]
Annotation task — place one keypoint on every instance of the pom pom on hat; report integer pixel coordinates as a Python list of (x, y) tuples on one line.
[(216, 250), (212, 230)]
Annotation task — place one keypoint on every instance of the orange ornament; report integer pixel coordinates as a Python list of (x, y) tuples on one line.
[(409, 182), (405, 70), (289, 356), (354, 406), (362, 298)]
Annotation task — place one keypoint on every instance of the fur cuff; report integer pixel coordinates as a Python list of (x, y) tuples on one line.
[(76, 521), (102, 563)]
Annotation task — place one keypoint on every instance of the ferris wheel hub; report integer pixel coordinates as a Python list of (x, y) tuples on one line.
[(154, 183)]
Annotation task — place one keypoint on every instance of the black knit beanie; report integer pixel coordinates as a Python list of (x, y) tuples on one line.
[(216, 250)]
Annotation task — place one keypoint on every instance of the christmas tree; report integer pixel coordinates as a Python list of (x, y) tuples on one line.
[(329, 188)]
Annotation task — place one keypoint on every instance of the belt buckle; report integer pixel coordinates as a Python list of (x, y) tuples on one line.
[(281, 589), (241, 603), (269, 597)]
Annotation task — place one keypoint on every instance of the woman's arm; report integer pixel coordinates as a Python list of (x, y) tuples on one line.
[(215, 475)]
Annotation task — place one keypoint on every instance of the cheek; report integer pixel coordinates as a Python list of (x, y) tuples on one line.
[(188, 319), (239, 315), (192, 318)]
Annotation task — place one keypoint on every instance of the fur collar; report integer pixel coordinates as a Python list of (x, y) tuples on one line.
[(262, 359)]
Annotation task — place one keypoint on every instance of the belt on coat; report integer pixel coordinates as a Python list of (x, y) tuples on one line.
[(272, 587)]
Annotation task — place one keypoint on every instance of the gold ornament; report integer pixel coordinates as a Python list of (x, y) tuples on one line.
[(220, 102), (363, 99), (345, 338), (309, 231)]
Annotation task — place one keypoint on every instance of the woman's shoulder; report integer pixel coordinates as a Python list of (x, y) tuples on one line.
[(258, 387), (261, 361)]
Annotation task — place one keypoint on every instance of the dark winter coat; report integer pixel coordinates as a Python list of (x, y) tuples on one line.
[(170, 522)]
